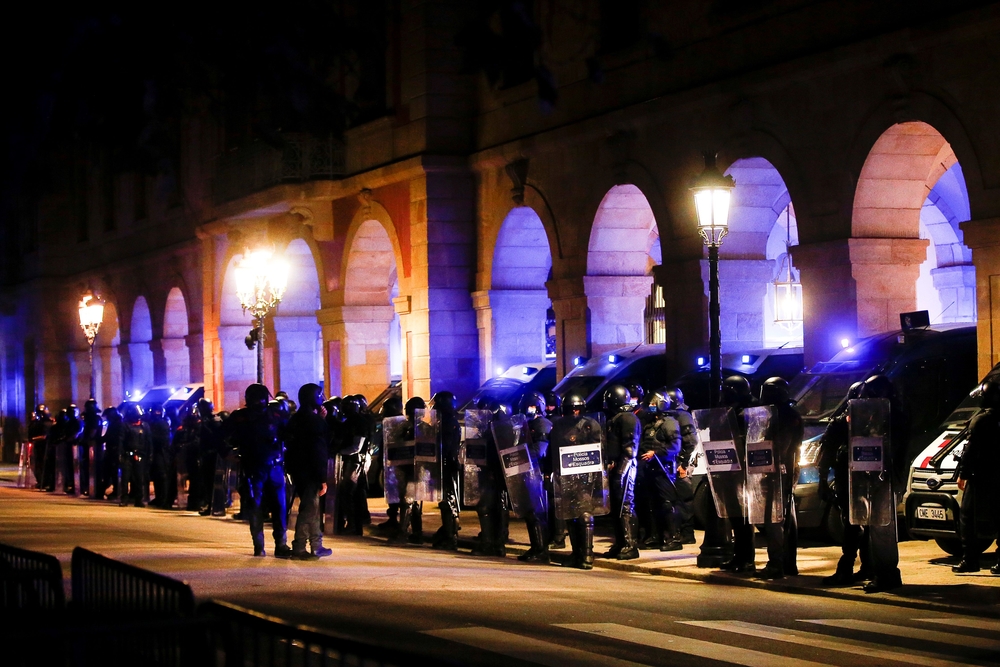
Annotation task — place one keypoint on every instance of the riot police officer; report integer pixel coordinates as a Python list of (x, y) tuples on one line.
[(73, 436), (736, 395), (90, 441), (112, 444), (450, 436), (135, 449), (54, 453), (577, 497), (212, 450), (410, 510), (38, 431), (186, 446), (162, 467), (976, 474), (352, 494), (882, 540), (533, 407), (622, 447), (689, 442), (833, 454), (392, 407), (491, 511), (659, 449), (254, 432), (306, 462), (553, 405), (786, 434)]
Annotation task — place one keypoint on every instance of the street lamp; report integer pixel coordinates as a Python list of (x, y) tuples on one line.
[(787, 290), (260, 283), (712, 192), (91, 316)]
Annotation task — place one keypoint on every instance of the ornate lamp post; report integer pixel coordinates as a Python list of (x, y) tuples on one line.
[(712, 192), (787, 290), (260, 283), (91, 315)]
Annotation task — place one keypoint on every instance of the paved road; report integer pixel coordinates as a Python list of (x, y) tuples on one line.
[(496, 611)]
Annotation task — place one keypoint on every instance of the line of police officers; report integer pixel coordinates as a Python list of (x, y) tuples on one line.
[(549, 462)]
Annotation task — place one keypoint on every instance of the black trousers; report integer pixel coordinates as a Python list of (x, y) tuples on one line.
[(135, 477), (307, 524), (266, 485)]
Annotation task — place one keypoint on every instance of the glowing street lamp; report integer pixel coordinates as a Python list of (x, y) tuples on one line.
[(712, 192), (261, 280), (787, 290), (91, 315)]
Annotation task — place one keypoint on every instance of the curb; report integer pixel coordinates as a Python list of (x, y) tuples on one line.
[(710, 576)]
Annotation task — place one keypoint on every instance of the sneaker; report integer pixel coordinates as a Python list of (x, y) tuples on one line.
[(323, 552), (303, 555), (282, 551)]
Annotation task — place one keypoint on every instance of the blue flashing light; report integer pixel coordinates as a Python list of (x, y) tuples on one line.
[(528, 370), (499, 370), (613, 358), (845, 343), (745, 359), (578, 361), (701, 361)]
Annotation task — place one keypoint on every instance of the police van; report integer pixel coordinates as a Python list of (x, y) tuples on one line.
[(933, 498), (644, 365), (931, 367)]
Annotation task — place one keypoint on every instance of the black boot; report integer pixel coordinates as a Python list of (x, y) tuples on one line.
[(619, 543), (447, 540), (586, 527), (487, 531), (630, 529), (417, 521), (967, 565), (539, 550), (575, 542), (404, 524), (844, 576), (558, 538)]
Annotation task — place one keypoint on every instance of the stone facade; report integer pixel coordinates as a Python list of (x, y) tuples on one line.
[(468, 212)]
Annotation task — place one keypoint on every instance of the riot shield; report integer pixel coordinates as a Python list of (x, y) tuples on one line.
[(427, 457), (764, 501), (521, 469), (334, 472), (59, 454), (78, 463), (472, 455), (869, 464), (93, 470), (398, 459), (25, 471), (580, 480), (183, 476), (723, 450)]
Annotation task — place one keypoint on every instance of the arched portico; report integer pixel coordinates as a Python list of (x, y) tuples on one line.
[(296, 330), (140, 336), (107, 360), (177, 361)]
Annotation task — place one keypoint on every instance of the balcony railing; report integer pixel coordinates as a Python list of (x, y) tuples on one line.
[(256, 165)]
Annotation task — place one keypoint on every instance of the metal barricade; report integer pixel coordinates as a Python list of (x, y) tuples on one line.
[(248, 637), (101, 584), (30, 581)]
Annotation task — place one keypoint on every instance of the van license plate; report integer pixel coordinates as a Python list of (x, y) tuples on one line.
[(933, 513)]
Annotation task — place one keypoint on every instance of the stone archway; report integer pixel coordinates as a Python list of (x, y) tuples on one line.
[(239, 364), (107, 359), (619, 269), (177, 361), (297, 336), (910, 195), (512, 316), (367, 343), (140, 336)]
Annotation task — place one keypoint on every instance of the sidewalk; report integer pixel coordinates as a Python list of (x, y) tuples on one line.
[(928, 582)]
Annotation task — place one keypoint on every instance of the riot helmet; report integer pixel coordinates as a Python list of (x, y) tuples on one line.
[(774, 391), (279, 410), (532, 404), (617, 399), (573, 404), (133, 413), (156, 411), (736, 391), (637, 393), (205, 408), (41, 411), (90, 407), (310, 396), (62, 417), (989, 394), (677, 398), (351, 405), (111, 414), (392, 407), (660, 401), (854, 391), (72, 411), (445, 403), (414, 404), (553, 404), (878, 386), (256, 396), (362, 402)]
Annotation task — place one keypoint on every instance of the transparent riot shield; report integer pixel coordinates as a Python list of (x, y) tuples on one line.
[(78, 463), (398, 458), (25, 471), (521, 469), (764, 501), (869, 465), (723, 450), (427, 457), (334, 472), (580, 480), (472, 455), (59, 454)]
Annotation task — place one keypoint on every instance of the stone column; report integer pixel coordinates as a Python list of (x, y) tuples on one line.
[(80, 385), (983, 237), (403, 307), (176, 361), (886, 272), (125, 356), (616, 305), (110, 387), (296, 341), (362, 335), (686, 307), (195, 357), (511, 328), (742, 290), (159, 361), (240, 366), (569, 302)]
